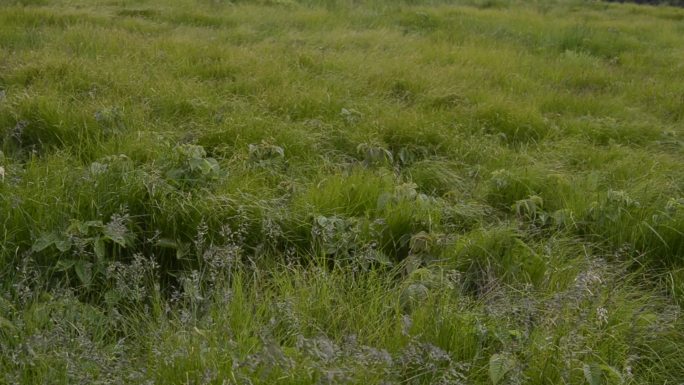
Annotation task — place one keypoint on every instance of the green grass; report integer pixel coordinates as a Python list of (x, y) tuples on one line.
[(361, 192)]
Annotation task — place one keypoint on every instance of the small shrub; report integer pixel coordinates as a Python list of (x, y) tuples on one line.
[(189, 166)]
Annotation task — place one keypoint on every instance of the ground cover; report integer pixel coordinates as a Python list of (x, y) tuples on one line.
[(310, 192)]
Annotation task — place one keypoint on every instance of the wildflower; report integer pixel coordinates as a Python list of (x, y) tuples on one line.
[(602, 315)]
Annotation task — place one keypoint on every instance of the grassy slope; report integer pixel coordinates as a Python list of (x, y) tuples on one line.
[(279, 192)]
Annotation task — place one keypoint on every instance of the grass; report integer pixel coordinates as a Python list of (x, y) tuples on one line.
[(312, 192)]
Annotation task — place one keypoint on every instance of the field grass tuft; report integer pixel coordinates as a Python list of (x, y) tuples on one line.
[(341, 192)]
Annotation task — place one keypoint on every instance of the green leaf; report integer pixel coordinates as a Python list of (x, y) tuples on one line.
[(83, 228), (593, 374), (43, 242), (198, 164), (412, 263), (65, 264), (84, 272), (213, 165), (116, 235), (63, 244), (77, 227), (98, 168), (166, 243), (499, 365), (322, 221), (405, 156), (204, 165), (175, 174), (95, 224), (182, 250), (99, 247)]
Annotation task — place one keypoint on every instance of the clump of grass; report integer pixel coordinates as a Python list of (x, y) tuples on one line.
[(311, 192)]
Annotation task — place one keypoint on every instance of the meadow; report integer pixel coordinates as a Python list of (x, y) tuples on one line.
[(341, 192)]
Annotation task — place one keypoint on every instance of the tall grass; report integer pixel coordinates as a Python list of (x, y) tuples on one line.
[(295, 192)]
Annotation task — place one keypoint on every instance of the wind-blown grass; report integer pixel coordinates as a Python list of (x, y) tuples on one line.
[(297, 192)]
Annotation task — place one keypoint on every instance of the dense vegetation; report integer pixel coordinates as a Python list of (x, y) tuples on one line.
[(312, 192), (654, 2)]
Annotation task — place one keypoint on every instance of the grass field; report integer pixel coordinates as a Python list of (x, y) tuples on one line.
[(341, 192)]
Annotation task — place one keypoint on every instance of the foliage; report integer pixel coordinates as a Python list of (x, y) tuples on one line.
[(341, 192)]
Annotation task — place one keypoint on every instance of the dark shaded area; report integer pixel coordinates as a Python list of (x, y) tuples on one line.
[(676, 3)]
